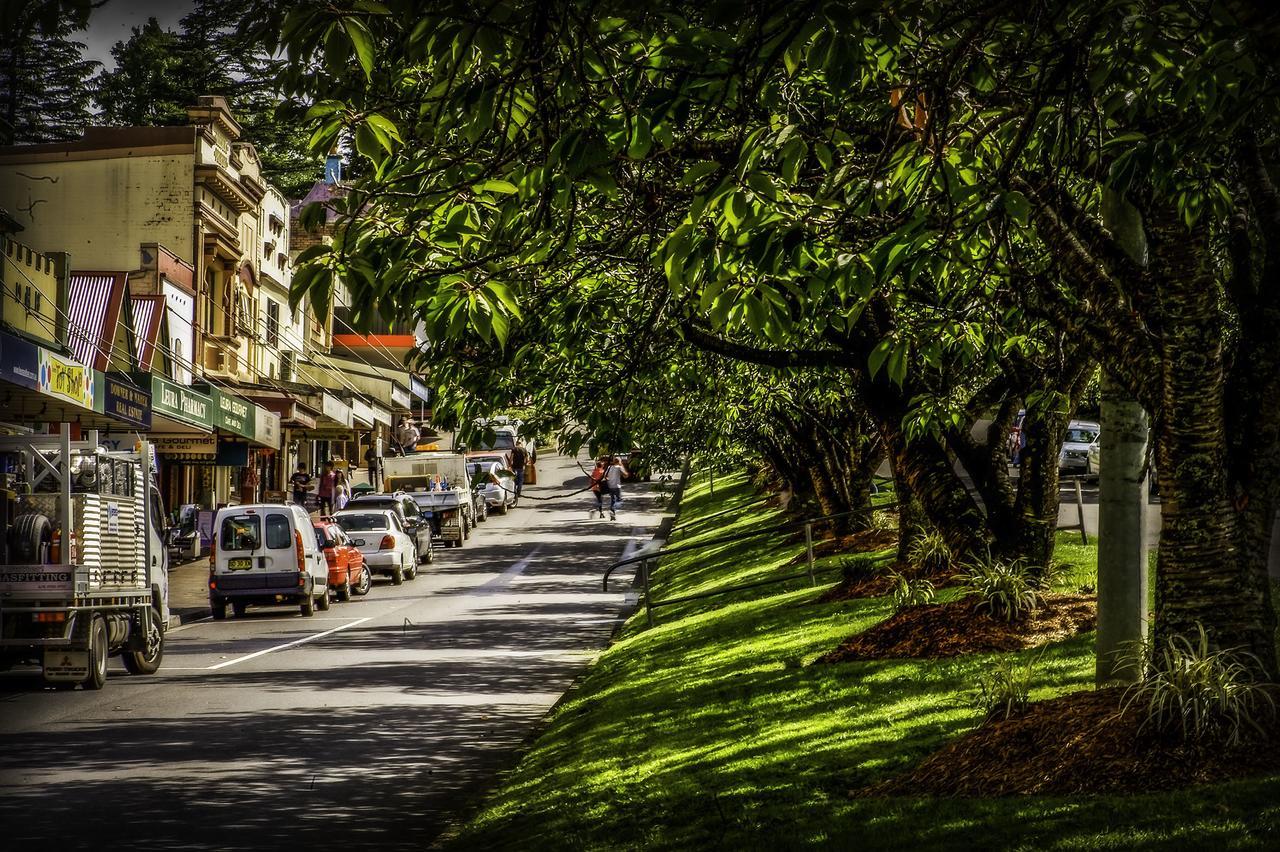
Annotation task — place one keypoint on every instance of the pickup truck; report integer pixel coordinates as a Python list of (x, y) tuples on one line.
[(83, 567), (453, 509)]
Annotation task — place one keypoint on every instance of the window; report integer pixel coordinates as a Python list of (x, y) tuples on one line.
[(240, 532), (363, 523), (278, 537), (273, 323)]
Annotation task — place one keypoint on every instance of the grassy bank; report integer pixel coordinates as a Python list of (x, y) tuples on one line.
[(713, 729)]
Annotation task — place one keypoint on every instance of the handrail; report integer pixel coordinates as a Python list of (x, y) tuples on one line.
[(722, 513)]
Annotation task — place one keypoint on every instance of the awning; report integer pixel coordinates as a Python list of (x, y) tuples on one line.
[(267, 428), (177, 408), (149, 320), (335, 411), (94, 303), (38, 385), (361, 413), (381, 415), (400, 399), (292, 413)]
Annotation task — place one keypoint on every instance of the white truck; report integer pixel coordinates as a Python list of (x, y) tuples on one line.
[(83, 566), (454, 509)]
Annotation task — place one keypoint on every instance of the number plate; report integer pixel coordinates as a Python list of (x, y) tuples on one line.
[(239, 564)]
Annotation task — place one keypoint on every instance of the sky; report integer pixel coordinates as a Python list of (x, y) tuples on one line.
[(114, 21)]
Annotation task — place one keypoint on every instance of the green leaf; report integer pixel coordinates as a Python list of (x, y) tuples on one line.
[(898, 364), (500, 187), (878, 356), (641, 138), (362, 41), (698, 171), (384, 124), (1017, 206)]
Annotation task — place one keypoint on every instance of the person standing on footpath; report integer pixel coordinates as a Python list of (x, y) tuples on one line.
[(519, 458), (613, 484), (407, 436), (327, 481), (301, 482), (341, 491)]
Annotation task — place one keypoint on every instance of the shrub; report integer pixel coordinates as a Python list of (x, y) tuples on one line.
[(1004, 589), (884, 520), (856, 569), (1005, 690), (1198, 694), (929, 553), (911, 591)]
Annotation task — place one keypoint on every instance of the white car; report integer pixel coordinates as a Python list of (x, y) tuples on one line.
[(381, 539), (1082, 435), (494, 482), (266, 554)]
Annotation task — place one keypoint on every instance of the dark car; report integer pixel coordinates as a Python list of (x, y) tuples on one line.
[(416, 525)]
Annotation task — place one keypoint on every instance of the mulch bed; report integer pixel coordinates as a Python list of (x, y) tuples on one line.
[(1078, 743), (951, 629)]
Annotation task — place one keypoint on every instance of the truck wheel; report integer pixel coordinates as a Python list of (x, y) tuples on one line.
[(397, 575), (239, 608), (366, 582), (308, 606), (148, 661), (97, 654), (29, 537), (219, 610), (322, 602)]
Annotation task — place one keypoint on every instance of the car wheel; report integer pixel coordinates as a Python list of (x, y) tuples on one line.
[(397, 576), (148, 661), (219, 610), (365, 583), (239, 607), (97, 653), (412, 571), (322, 602), (344, 591), (502, 508), (308, 606)]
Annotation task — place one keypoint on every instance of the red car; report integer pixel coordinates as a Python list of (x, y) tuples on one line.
[(347, 571)]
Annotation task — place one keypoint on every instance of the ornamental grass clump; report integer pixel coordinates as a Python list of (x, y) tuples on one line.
[(929, 554), (1004, 691), (911, 591), (860, 568), (1006, 590), (1200, 695)]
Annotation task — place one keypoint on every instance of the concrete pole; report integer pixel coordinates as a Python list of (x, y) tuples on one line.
[(1122, 500)]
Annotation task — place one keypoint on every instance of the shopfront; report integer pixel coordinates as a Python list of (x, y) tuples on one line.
[(40, 389), (182, 431)]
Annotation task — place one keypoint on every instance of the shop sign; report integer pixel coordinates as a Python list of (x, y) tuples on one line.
[(400, 397), (180, 403), (19, 361), (419, 388), (185, 444), (362, 413), (64, 378), (232, 454), (232, 413), (335, 409), (381, 415), (266, 428), (125, 400)]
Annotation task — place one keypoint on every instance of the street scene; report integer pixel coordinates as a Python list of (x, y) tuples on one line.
[(554, 424)]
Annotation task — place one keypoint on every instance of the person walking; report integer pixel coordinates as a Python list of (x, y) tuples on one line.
[(597, 481), (371, 462), (301, 482), (327, 481), (519, 458), (341, 491), (407, 435), (613, 485)]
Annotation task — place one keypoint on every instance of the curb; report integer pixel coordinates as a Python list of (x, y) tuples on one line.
[(185, 616)]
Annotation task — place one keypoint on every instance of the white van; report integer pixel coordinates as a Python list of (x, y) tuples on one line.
[(266, 554)]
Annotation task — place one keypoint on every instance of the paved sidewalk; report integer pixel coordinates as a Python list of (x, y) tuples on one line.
[(188, 591)]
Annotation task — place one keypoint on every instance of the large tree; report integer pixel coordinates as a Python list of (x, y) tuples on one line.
[(45, 90), (912, 194)]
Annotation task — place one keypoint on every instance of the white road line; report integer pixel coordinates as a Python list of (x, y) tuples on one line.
[(304, 639), (504, 579)]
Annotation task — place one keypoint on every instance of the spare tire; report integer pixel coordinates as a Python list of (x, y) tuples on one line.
[(30, 539)]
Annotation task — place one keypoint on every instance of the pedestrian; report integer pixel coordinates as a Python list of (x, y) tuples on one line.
[(519, 458), (407, 435), (341, 491), (597, 480), (325, 490), (613, 485), (301, 482), (371, 462)]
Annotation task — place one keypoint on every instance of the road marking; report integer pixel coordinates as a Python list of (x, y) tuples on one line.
[(301, 641), (496, 585)]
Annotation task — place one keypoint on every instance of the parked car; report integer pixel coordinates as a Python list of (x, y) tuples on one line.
[(266, 554), (380, 537), (347, 572), (412, 521), (1074, 455), (495, 483), (1095, 469)]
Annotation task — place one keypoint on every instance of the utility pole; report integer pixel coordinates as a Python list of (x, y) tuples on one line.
[(1122, 498)]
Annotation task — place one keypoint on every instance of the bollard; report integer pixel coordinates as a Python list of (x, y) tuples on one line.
[(1084, 536), (644, 580), (808, 546)]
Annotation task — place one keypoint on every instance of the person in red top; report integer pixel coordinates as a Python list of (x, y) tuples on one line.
[(597, 478), (325, 490)]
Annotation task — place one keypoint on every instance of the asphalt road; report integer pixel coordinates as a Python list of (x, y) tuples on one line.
[(371, 725)]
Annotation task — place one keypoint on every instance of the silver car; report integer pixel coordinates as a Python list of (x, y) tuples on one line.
[(1082, 435), (497, 484)]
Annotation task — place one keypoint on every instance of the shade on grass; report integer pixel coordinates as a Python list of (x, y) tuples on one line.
[(712, 730)]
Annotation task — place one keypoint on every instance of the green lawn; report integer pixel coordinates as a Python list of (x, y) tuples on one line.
[(713, 730)]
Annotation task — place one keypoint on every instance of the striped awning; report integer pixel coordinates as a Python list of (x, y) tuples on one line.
[(148, 320), (94, 303)]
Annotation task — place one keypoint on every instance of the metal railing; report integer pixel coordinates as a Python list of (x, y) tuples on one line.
[(654, 550)]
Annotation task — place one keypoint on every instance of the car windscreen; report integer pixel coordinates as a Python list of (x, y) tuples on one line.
[(501, 441), (1080, 436), (376, 503), (478, 471), (240, 532), (362, 523)]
